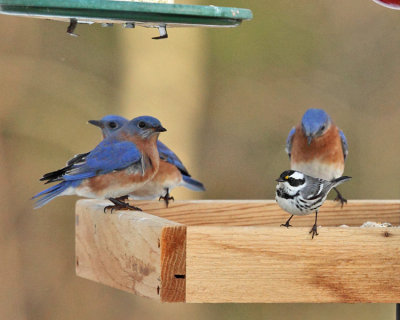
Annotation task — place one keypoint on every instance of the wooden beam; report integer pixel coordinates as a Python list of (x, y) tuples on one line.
[(127, 250), (279, 265), (268, 213)]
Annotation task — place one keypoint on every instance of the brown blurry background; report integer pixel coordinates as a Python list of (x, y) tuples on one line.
[(228, 98)]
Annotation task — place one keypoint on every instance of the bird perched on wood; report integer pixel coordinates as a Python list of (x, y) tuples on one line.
[(119, 165), (171, 173), (317, 147), (300, 194)]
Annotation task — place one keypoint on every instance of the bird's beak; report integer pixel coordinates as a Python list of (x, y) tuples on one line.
[(96, 123), (309, 139), (279, 180), (160, 129)]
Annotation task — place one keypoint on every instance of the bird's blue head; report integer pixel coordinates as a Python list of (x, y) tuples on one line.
[(314, 123), (109, 124), (144, 126)]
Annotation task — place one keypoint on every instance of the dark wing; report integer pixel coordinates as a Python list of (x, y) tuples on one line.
[(57, 175), (313, 189), (289, 139), (77, 158), (345, 146), (319, 188), (169, 156)]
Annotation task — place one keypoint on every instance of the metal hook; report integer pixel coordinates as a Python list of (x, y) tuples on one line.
[(71, 28), (129, 25), (163, 33)]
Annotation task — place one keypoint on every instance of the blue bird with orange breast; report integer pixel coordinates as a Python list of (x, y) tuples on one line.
[(120, 164), (318, 148), (171, 172)]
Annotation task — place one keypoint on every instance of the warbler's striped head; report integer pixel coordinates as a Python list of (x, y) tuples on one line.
[(292, 178)]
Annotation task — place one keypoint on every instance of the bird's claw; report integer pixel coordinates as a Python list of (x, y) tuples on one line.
[(119, 204), (109, 207), (313, 231), (121, 207), (167, 198), (341, 199), (287, 225), (123, 198)]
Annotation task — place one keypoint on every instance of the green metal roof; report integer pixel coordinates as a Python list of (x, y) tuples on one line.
[(145, 14)]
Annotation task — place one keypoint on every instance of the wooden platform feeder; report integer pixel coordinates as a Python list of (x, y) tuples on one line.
[(236, 251)]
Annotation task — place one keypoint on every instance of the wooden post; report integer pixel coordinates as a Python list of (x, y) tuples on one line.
[(235, 251), (132, 251)]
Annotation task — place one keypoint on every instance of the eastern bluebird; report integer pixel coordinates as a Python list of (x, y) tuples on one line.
[(318, 148), (171, 173), (120, 164)]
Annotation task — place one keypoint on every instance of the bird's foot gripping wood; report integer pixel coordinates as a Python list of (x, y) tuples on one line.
[(120, 204), (340, 198), (167, 198), (287, 224), (122, 199), (313, 231)]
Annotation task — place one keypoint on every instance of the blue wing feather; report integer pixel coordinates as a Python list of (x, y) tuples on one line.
[(289, 139), (192, 184), (168, 155), (108, 156), (345, 146)]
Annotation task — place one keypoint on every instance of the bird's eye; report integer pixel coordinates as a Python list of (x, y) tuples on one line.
[(323, 128), (141, 124), (112, 125)]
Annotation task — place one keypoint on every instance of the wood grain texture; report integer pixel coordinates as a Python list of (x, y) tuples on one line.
[(173, 264), (227, 251), (268, 213), (272, 264), (121, 249)]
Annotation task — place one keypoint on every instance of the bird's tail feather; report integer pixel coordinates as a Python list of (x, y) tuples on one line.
[(52, 192), (340, 180), (192, 184)]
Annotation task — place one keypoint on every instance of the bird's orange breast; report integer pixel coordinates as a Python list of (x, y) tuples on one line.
[(167, 172), (126, 179), (326, 148)]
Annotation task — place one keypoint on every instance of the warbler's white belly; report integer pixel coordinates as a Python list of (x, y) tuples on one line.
[(318, 169), (289, 205)]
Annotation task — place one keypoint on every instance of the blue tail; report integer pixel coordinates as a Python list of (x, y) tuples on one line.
[(52, 192), (192, 184)]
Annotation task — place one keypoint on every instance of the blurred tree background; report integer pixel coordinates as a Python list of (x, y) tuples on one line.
[(228, 98)]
